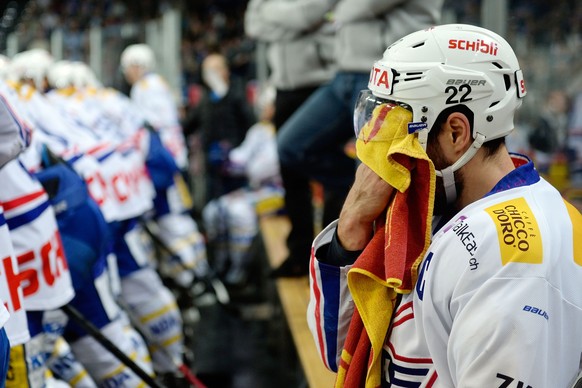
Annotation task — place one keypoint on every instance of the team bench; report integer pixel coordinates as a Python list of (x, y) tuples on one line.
[(294, 297)]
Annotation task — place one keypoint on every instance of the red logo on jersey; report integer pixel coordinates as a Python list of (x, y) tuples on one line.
[(473, 45), (54, 264)]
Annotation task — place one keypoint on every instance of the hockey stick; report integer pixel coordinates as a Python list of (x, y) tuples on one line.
[(107, 344), (220, 291), (578, 381)]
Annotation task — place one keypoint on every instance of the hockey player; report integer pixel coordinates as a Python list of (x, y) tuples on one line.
[(497, 299), (113, 118), (174, 227), (15, 135), (42, 268), (98, 303), (44, 272), (154, 98)]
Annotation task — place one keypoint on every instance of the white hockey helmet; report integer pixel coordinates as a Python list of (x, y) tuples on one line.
[(31, 65), (452, 64), (139, 55), (4, 66), (59, 74), (83, 76), (444, 66)]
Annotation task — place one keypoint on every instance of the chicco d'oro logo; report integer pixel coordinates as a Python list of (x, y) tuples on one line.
[(518, 232)]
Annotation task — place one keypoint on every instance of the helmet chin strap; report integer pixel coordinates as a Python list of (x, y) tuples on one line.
[(448, 174)]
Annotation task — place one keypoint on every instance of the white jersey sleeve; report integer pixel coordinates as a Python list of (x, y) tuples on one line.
[(154, 99), (330, 306), (257, 154)]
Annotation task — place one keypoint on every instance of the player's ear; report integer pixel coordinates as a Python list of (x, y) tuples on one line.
[(457, 131)]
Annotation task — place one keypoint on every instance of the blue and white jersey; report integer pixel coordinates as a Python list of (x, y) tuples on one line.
[(257, 155), (11, 297), (120, 109), (120, 151), (155, 101), (114, 171), (43, 269), (497, 302)]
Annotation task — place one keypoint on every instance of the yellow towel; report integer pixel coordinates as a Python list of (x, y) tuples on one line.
[(389, 264)]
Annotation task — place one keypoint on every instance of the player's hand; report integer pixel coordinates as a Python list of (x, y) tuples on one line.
[(367, 201)]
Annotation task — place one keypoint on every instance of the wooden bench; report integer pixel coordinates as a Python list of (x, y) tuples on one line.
[(294, 296)]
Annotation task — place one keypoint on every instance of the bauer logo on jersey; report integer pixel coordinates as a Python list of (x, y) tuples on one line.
[(518, 232)]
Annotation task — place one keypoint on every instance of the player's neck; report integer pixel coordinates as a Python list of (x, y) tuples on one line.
[(482, 173)]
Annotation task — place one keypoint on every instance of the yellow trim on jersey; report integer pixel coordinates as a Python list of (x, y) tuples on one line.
[(159, 347), (76, 379), (120, 368), (168, 308), (116, 371), (20, 89), (67, 91), (576, 218), (184, 242), (172, 340)]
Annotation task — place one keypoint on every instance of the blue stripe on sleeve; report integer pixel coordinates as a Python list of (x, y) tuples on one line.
[(27, 217), (330, 288)]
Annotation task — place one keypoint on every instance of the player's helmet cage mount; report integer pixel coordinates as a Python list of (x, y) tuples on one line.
[(447, 65)]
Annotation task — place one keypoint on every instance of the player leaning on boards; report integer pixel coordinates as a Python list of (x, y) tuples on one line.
[(475, 281)]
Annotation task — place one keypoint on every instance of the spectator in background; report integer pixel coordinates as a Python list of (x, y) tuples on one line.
[(232, 220), (575, 139), (550, 132), (300, 59), (222, 118), (549, 139), (312, 141)]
